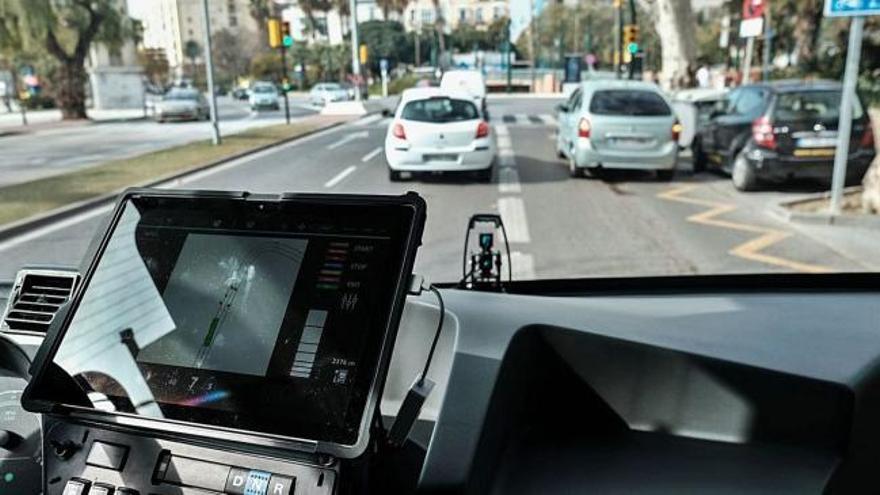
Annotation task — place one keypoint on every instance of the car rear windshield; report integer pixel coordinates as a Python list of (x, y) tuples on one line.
[(264, 89), (811, 106), (182, 95), (440, 110), (629, 102)]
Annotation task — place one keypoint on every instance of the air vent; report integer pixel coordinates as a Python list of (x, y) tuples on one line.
[(35, 298)]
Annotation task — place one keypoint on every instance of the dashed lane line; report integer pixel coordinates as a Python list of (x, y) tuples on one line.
[(513, 214), (751, 249), (340, 176), (369, 156), (347, 139)]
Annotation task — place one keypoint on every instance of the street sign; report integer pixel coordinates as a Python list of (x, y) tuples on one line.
[(752, 9), (849, 8), (274, 29), (364, 53), (749, 28)]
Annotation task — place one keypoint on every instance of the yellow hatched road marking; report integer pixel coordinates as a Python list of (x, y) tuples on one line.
[(750, 250)]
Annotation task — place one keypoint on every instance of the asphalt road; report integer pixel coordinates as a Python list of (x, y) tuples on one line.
[(627, 224), (51, 151)]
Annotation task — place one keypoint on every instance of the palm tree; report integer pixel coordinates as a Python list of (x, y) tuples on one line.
[(439, 23)]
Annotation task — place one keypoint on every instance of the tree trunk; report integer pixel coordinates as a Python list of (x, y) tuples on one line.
[(71, 93), (675, 28), (806, 33), (439, 23)]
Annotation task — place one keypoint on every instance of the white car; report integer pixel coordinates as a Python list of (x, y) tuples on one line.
[(324, 93), (471, 82), (439, 131), (264, 95)]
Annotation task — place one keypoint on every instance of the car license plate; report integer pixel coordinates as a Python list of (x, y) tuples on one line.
[(440, 157), (628, 142), (817, 142), (814, 152)]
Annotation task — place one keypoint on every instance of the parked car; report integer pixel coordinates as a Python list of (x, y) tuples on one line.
[(439, 131), (616, 124), (772, 132), (323, 93), (350, 88), (264, 95), (471, 82), (241, 94), (182, 104)]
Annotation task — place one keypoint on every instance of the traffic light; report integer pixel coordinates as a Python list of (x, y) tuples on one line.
[(286, 38), (274, 28), (631, 37), (363, 54)]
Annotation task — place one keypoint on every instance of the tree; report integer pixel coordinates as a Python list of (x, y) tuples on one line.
[(675, 27), (232, 53), (155, 65), (192, 50), (384, 39), (63, 31)]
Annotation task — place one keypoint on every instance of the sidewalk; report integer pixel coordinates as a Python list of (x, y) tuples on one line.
[(11, 123)]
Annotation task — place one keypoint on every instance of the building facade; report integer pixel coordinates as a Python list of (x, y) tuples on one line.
[(170, 24)]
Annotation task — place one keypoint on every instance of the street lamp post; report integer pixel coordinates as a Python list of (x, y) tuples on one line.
[(209, 67), (355, 61)]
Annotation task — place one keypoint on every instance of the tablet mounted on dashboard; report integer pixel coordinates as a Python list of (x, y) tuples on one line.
[(263, 318)]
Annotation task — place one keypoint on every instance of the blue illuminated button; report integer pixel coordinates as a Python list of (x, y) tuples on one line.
[(257, 483)]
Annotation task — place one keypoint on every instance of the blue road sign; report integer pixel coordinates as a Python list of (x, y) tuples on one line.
[(849, 8)]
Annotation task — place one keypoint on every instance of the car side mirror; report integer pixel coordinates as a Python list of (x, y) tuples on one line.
[(562, 107)]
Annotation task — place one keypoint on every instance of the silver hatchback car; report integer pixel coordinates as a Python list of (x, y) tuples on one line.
[(614, 124)]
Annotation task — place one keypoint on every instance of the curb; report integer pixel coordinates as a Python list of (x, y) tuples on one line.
[(17, 228), (783, 211)]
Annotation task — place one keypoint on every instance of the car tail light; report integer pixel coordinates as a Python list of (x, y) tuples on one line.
[(867, 140), (483, 130), (398, 132), (584, 128), (762, 133), (676, 130)]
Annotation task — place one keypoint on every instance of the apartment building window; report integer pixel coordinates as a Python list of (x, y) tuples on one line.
[(412, 15), (462, 15), (191, 33), (372, 13), (230, 7), (233, 21), (189, 19), (478, 14), (427, 16), (497, 13)]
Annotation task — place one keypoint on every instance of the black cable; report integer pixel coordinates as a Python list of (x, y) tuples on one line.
[(507, 248), (469, 274), (464, 253), (436, 334)]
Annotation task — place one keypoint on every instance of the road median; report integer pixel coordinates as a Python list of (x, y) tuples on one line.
[(29, 205)]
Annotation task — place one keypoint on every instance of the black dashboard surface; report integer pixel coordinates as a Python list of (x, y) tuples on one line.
[(728, 391)]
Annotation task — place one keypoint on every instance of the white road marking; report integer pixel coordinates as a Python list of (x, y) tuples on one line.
[(369, 156), (508, 181), (506, 161), (522, 118), (513, 213), (547, 118), (340, 176), (501, 130), (523, 265), (347, 139), (504, 142), (505, 152)]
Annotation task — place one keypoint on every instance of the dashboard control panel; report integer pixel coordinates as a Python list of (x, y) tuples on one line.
[(84, 459)]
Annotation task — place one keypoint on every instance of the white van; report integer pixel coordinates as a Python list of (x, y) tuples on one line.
[(468, 81)]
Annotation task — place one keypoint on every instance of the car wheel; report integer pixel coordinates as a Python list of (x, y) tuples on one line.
[(665, 175), (573, 169), (698, 157), (394, 175), (484, 176), (744, 176)]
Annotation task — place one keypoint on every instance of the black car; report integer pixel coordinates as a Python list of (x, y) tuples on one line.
[(775, 131)]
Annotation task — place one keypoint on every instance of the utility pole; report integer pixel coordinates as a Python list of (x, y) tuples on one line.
[(209, 67), (533, 35), (507, 54), (632, 21), (618, 39), (355, 60), (768, 44), (844, 124)]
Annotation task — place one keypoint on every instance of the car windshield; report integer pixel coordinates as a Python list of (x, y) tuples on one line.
[(181, 95), (611, 139), (264, 89), (629, 102), (812, 105), (439, 110)]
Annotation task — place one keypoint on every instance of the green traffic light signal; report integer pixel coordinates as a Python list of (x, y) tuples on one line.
[(287, 41), (633, 48)]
